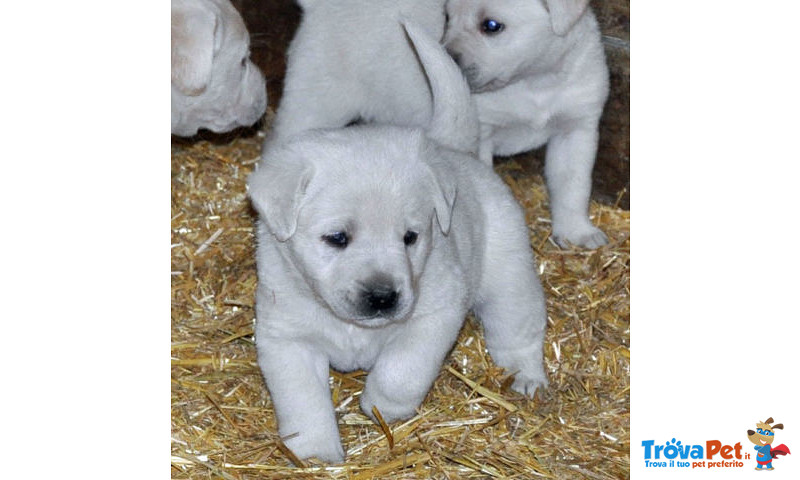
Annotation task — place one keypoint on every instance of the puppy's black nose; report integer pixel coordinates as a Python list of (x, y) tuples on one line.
[(750, 432), (381, 298)]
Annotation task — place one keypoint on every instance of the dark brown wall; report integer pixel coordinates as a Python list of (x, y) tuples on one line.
[(612, 170)]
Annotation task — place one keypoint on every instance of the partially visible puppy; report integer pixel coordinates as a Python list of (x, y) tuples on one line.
[(214, 83), (540, 77), (349, 61), (373, 243)]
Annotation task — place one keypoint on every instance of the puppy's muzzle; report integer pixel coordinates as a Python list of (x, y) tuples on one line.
[(379, 298)]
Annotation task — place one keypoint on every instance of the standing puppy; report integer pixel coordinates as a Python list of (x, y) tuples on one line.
[(349, 61), (373, 244), (214, 83), (538, 72)]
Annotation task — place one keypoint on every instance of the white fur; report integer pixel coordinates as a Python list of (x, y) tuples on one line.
[(350, 61), (377, 183), (214, 83), (541, 80)]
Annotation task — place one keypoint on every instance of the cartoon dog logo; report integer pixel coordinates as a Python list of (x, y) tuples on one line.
[(763, 438)]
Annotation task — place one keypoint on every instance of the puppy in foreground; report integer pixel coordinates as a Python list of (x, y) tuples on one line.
[(373, 244), (349, 62), (539, 75), (214, 83)]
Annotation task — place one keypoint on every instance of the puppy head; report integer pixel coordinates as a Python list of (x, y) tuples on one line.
[(214, 83), (498, 41), (764, 433), (357, 211)]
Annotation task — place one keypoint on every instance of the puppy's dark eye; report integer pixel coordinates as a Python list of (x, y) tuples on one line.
[(338, 239), (410, 238), (491, 26)]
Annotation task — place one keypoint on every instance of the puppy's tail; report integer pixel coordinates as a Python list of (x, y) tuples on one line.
[(454, 122)]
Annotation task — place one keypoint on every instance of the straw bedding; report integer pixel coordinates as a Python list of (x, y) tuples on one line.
[(471, 425)]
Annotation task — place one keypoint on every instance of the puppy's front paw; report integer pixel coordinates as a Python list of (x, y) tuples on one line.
[(328, 450), (526, 365), (585, 235), (391, 409)]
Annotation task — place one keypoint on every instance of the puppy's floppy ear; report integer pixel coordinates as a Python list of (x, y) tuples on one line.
[(193, 45), (277, 189), (443, 190), (564, 14)]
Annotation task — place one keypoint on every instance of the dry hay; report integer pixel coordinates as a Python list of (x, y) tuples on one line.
[(469, 426)]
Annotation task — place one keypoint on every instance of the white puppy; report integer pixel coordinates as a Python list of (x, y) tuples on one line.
[(373, 244), (349, 61), (214, 83), (540, 77)]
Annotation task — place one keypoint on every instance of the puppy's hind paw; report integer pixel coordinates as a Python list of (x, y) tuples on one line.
[(587, 236)]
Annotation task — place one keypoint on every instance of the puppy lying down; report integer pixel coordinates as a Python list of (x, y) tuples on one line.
[(214, 83), (373, 244)]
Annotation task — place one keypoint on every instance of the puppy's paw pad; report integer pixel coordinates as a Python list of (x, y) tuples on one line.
[(586, 237)]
